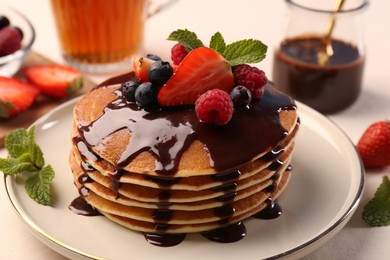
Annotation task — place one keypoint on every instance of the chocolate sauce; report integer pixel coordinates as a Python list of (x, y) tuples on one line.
[(80, 206), (273, 210), (328, 88), (164, 240), (228, 234)]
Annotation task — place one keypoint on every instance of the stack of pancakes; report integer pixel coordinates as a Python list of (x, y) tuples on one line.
[(138, 187)]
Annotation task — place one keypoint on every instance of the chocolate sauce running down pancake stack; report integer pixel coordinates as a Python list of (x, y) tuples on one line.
[(163, 171)]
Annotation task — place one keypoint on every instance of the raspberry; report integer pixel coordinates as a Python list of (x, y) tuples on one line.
[(214, 107), (250, 77), (178, 53)]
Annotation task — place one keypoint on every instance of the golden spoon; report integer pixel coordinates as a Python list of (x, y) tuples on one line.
[(327, 50)]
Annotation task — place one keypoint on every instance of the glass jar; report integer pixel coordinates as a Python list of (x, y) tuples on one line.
[(321, 56)]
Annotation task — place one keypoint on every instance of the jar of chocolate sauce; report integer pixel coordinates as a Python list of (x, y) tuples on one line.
[(320, 59)]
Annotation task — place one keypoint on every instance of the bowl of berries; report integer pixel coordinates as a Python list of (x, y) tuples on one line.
[(17, 35)]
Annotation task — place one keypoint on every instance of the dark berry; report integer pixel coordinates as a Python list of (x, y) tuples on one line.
[(10, 40), (159, 72), (153, 57), (250, 77), (128, 89), (241, 96), (178, 52), (214, 107), (19, 31), (4, 22), (146, 94)]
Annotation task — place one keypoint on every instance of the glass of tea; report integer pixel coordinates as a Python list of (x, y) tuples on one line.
[(101, 36), (321, 56)]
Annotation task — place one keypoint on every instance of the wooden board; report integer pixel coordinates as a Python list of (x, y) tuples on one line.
[(42, 104)]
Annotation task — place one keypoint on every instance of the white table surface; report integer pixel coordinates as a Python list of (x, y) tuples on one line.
[(261, 19)]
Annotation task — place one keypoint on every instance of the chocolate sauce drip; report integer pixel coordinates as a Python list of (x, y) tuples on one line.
[(168, 132), (164, 240), (162, 182), (115, 180), (273, 210), (273, 154), (275, 165), (80, 206), (227, 234), (84, 178)]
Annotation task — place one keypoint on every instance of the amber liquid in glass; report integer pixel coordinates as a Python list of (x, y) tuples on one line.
[(99, 31)]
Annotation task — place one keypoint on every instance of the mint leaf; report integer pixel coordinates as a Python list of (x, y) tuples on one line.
[(376, 212), (217, 43), (187, 38), (245, 51), (21, 142), (25, 156), (13, 166), (38, 186)]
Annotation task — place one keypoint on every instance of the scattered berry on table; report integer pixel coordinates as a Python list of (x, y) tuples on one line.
[(203, 69), (4, 21), (159, 72), (54, 80), (374, 145), (241, 96), (16, 96), (250, 77), (178, 52), (146, 94), (128, 89), (214, 107), (10, 40)]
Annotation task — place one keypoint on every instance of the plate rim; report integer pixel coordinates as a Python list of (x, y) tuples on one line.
[(46, 238)]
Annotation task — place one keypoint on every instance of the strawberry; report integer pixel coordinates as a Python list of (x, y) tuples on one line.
[(16, 96), (54, 80), (141, 66), (10, 40), (374, 145), (201, 70)]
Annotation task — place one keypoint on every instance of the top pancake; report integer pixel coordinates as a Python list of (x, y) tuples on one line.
[(173, 141)]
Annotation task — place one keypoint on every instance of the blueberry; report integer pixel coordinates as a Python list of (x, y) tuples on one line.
[(159, 72), (153, 57), (128, 89), (241, 96), (146, 94), (4, 21)]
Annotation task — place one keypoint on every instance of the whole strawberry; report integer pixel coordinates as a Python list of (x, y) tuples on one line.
[(374, 145)]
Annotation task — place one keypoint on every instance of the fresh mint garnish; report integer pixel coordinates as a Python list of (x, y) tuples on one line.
[(4, 106), (376, 212), (25, 156), (236, 53), (187, 38), (245, 51), (217, 43)]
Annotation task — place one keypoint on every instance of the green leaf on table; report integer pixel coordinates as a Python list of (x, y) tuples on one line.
[(376, 212), (38, 186), (25, 156)]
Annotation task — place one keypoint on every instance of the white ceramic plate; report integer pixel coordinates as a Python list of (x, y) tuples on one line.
[(324, 191)]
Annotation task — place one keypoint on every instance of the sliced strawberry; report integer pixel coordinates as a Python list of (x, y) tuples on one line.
[(141, 66), (16, 96), (201, 70), (54, 80)]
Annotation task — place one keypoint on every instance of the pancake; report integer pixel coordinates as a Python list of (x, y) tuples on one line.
[(161, 170)]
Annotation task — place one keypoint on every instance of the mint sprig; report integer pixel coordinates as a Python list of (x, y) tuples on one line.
[(25, 156), (376, 212), (236, 53)]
